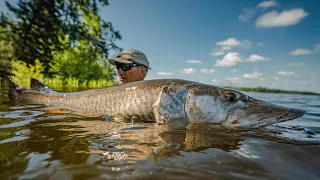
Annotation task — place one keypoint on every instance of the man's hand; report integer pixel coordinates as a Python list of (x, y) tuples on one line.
[(21, 88)]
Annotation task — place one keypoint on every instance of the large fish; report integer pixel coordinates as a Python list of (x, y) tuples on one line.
[(162, 101)]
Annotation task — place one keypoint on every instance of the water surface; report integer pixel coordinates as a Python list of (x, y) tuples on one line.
[(36, 145)]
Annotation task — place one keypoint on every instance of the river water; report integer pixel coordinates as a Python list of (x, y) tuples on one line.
[(38, 145)]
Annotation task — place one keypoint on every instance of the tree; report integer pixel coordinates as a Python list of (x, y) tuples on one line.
[(77, 62), (6, 51), (39, 25)]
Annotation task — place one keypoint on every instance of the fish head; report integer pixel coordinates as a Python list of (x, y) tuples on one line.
[(244, 111)]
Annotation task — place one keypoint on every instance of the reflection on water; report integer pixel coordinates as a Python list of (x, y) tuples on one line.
[(36, 145)]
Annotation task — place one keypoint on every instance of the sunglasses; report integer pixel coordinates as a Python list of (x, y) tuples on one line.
[(126, 67)]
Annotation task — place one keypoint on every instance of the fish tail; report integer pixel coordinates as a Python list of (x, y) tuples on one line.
[(12, 86)]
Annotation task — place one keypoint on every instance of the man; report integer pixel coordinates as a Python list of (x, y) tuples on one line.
[(132, 65)]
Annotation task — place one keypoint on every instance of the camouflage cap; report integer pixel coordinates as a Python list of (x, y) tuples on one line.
[(131, 56)]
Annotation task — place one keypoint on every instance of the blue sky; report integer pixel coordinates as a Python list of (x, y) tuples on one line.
[(274, 44)]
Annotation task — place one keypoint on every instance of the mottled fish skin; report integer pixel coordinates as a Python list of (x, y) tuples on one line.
[(162, 101), (126, 101)]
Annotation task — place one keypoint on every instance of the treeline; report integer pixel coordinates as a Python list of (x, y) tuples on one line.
[(264, 89), (57, 41)]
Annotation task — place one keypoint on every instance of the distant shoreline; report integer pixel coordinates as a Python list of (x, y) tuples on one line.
[(267, 90), (256, 89)]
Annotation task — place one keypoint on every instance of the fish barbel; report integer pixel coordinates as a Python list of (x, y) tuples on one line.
[(161, 101)]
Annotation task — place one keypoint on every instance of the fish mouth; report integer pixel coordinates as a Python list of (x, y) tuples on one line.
[(259, 120), (291, 114)]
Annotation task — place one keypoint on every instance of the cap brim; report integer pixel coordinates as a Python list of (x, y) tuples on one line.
[(119, 60)]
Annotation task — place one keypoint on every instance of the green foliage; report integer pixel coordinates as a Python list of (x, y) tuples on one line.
[(39, 25), (23, 73), (78, 62), (6, 50), (36, 27), (55, 83), (63, 43)]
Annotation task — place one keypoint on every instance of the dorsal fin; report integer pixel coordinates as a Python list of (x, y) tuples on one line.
[(10, 83), (37, 85), (12, 93)]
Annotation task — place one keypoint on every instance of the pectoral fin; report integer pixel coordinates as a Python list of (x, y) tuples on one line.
[(170, 104)]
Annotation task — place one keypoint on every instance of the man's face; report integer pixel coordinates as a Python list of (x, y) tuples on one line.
[(136, 73)]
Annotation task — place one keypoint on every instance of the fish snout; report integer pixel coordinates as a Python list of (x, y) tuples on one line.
[(291, 114), (297, 112)]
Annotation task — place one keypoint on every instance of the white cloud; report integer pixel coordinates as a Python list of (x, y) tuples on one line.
[(188, 71), (229, 59), (245, 44), (217, 52), (234, 70), (313, 78), (295, 64), (223, 47), (235, 80), (194, 61), (260, 44), (266, 4), (274, 84), (233, 42), (229, 42), (215, 80), (285, 18), (207, 71), (255, 57), (285, 73), (220, 51), (298, 78), (300, 52), (232, 58), (262, 79), (255, 74), (246, 15), (164, 73), (276, 78)]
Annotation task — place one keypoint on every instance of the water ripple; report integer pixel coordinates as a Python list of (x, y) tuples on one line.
[(35, 145), (13, 139), (18, 124), (20, 114)]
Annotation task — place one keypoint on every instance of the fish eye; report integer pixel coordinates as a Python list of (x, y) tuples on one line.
[(231, 96)]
